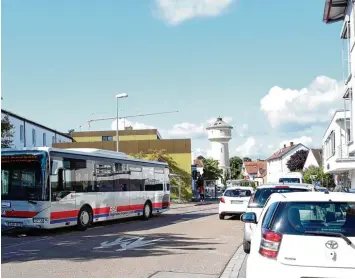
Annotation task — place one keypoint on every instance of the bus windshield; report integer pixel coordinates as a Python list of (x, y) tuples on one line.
[(22, 177)]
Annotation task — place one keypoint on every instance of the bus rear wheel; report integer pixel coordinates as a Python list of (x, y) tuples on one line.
[(85, 218), (147, 211)]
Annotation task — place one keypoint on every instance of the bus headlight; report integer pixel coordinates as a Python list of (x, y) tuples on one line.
[(40, 220)]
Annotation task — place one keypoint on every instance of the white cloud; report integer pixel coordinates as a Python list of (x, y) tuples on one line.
[(126, 123), (186, 129), (307, 106), (249, 148), (207, 153), (175, 12), (307, 141)]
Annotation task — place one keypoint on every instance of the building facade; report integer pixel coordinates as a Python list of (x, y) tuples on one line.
[(255, 171), (314, 158), (28, 133), (338, 141), (277, 163), (133, 142)]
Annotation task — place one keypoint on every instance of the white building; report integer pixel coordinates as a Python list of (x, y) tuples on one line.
[(338, 141), (27, 133), (337, 159), (219, 134), (314, 158), (277, 163)]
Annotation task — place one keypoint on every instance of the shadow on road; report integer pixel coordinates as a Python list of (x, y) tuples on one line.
[(86, 248), (130, 224)]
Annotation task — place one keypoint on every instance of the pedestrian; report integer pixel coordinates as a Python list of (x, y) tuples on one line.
[(201, 189)]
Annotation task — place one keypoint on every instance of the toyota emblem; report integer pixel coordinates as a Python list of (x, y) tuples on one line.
[(331, 244)]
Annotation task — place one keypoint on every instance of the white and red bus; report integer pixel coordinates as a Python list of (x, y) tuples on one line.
[(48, 188)]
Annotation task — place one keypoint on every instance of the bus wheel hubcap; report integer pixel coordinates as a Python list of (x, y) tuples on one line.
[(146, 209), (85, 218)]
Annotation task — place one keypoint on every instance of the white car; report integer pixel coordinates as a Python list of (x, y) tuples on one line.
[(303, 235), (234, 201), (257, 201)]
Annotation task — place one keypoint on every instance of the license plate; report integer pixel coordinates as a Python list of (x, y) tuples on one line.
[(14, 224), (236, 202)]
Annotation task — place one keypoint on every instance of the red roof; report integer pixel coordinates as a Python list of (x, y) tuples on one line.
[(254, 167), (282, 152)]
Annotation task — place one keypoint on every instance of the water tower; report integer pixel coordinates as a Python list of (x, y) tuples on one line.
[(219, 134)]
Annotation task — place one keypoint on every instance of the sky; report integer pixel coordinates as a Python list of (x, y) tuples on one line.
[(271, 69)]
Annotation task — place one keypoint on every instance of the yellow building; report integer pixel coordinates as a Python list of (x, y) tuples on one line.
[(133, 142)]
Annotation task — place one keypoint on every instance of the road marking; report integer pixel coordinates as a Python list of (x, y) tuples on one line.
[(127, 243)]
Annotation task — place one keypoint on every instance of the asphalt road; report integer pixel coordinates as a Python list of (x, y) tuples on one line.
[(187, 241)]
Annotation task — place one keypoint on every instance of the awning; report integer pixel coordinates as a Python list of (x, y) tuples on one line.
[(334, 10)]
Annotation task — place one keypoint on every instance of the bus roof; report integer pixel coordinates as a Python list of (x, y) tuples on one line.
[(84, 151)]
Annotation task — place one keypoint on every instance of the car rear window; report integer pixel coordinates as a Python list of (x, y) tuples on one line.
[(237, 193), (303, 218), (289, 180), (263, 194)]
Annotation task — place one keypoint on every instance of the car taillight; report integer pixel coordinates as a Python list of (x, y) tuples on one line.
[(270, 244), (222, 200)]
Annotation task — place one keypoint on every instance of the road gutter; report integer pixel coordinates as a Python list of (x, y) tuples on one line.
[(234, 265)]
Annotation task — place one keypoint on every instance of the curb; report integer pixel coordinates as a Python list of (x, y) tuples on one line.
[(234, 265)]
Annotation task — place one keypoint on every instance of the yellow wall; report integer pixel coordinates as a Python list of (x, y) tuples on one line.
[(183, 160), (121, 138)]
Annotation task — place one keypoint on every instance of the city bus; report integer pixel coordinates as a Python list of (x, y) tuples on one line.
[(44, 187)]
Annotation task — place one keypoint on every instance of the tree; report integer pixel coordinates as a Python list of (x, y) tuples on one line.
[(7, 132), (246, 159), (211, 171), (71, 131), (314, 174), (236, 164), (225, 177), (182, 176), (297, 160)]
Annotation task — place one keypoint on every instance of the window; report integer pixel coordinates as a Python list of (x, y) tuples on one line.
[(136, 179), (107, 138), (297, 218), (237, 193), (33, 137), (44, 139), (269, 214), (22, 134), (330, 145), (104, 173), (153, 181)]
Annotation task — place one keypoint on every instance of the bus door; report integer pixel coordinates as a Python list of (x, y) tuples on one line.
[(63, 205), (166, 197), (122, 186)]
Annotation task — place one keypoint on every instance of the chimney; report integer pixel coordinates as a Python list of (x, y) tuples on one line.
[(291, 143), (284, 145)]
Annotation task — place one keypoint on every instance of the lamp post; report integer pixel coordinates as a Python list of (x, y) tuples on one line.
[(118, 96)]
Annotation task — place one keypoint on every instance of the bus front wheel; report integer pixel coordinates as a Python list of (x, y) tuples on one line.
[(147, 211), (85, 218)]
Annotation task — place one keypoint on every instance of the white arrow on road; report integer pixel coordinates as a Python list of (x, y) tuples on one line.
[(127, 244), (137, 243)]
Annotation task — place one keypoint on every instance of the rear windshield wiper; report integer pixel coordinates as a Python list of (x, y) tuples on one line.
[(346, 239)]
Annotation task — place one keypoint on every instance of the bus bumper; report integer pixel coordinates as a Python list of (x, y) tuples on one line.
[(35, 223)]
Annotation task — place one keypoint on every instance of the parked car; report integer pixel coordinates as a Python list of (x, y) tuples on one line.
[(234, 201), (257, 201), (303, 235), (320, 189)]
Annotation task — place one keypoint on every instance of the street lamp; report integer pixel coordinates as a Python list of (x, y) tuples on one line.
[(118, 96)]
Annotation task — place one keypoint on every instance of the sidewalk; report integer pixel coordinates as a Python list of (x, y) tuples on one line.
[(236, 265)]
